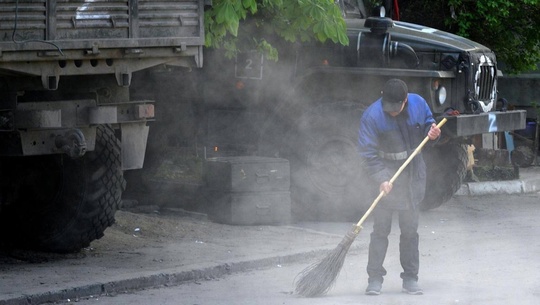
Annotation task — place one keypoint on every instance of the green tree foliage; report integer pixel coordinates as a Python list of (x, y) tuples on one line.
[(237, 24), (509, 27)]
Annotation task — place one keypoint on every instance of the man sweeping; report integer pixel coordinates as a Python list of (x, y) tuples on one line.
[(390, 130)]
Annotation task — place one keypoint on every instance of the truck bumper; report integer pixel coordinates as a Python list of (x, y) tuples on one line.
[(473, 124), (34, 127)]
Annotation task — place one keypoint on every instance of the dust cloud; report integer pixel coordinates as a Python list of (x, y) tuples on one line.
[(249, 106)]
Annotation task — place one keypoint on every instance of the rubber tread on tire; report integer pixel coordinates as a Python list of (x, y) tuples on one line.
[(58, 204)]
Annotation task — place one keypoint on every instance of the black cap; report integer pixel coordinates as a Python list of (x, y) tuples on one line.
[(394, 93)]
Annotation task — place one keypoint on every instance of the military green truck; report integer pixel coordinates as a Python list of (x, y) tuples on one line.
[(68, 127), (306, 107)]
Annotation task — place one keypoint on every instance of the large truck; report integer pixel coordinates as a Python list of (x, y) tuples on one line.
[(306, 107), (68, 127)]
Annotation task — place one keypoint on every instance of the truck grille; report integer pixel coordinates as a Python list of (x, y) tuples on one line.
[(485, 82)]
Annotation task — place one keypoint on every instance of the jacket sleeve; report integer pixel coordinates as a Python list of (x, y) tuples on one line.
[(429, 120), (368, 150)]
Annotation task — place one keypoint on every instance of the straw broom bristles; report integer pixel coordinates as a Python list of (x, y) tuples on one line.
[(317, 279)]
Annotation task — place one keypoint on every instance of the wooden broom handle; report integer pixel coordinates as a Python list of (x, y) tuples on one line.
[(396, 175)]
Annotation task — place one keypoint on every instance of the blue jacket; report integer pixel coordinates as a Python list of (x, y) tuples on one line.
[(385, 142)]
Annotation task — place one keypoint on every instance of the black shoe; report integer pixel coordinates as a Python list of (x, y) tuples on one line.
[(411, 287), (374, 288)]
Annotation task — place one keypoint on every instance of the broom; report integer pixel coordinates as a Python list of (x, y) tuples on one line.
[(317, 279)]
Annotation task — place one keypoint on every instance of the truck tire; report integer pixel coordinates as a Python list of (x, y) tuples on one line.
[(522, 156), (57, 204), (326, 173), (446, 169)]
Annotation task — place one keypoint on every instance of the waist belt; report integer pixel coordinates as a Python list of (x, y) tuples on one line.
[(394, 156)]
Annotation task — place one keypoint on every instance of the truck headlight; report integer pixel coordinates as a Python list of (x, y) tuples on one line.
[(441, 95), (440, 92)]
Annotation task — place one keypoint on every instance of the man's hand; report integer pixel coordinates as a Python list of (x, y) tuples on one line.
[(385, 187), (434, 132)]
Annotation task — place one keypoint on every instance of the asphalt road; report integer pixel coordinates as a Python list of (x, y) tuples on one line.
[(474, 250)]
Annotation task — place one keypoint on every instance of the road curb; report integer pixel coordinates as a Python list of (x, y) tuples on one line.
[(530, 183), (164, 278), (491, 188)]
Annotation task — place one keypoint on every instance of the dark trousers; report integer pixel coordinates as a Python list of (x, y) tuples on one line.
[(408, 243)]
